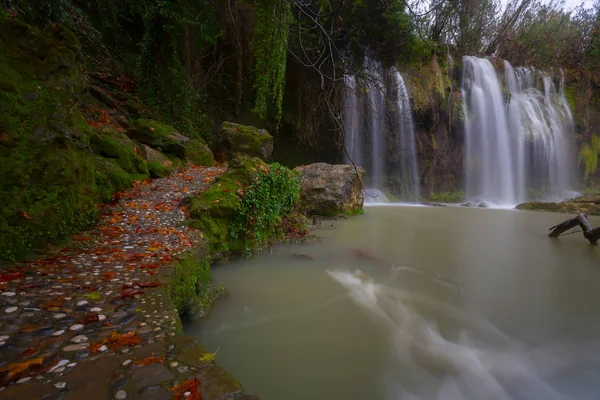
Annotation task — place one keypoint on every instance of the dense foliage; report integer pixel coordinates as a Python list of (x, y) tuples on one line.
[(272, 195)]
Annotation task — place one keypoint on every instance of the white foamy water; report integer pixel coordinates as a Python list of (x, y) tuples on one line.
[(481, 363)]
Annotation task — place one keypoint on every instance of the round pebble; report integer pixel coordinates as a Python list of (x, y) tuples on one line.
[(60, 385), (11, 310), (23, 380), (126, 363), (8, 294), (81, 303), (103, 348), (120, 395), (174, 364), (76, 347), (59, 364), (71, 365), (58, 333), (76, 327), (101, 317), (79, 339), (59, 315), (96, 309), (4, 338), (59, 370)]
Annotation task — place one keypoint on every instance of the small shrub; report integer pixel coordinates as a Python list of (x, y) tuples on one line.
[(272, 195)]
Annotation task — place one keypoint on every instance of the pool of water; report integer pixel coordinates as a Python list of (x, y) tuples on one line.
[(415, 303)]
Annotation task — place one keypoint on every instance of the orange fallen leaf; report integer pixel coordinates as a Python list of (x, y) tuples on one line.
[(24, 214), (116, 340), (16, 370), (150, 360), (95, 347)]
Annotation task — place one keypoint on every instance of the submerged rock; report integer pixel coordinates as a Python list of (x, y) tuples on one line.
[(242, 139), (483, 204), (569, 207), (331, 190)]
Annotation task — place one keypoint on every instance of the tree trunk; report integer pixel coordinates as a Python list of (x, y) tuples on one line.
[(590, 233)]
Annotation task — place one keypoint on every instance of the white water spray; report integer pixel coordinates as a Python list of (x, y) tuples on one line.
[(516, 135), (480, 363)]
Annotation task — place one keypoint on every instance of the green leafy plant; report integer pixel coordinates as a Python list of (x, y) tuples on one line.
[(588, 156), (272, 195), (269, 46)]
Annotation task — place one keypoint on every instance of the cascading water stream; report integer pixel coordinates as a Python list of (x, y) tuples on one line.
[(407, 148), (516, 136), (379, 133)]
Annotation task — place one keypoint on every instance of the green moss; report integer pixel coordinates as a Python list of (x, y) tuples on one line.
[(243, 139), (447, 197), (570, 97), (157, 170), (190, 286), (199, 153), (212, 211)]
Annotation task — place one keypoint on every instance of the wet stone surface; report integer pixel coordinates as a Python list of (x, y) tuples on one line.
[(70, 320)]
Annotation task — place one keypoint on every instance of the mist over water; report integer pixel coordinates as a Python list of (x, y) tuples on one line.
[(414, 303)]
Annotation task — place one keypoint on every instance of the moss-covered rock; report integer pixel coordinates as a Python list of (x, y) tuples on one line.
[(331, 190), (55, 168), (212, 210), (112, 144), (158, 136), (199, 153), (568, 207), (190, 285), (242, 139), (159, 165)]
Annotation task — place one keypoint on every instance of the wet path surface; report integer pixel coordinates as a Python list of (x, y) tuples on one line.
[(94, 318)]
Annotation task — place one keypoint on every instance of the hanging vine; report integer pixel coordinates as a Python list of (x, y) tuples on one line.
[(269, 47)]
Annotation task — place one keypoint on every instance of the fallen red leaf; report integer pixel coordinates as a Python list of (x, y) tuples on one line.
[(129, 293), (191, 385), (90, 318), (148, 284), (11, 276)]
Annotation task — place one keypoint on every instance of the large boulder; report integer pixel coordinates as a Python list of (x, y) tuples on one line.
[(199, 153), (158, 136), (242, 139), (331, 190)]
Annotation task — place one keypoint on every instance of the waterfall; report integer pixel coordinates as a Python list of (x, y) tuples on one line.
[(407, 149), (352, 139), (516, 135), (379, 132), (376, 97)]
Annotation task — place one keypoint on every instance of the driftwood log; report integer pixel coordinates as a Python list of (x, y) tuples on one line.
[(590, 233)]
